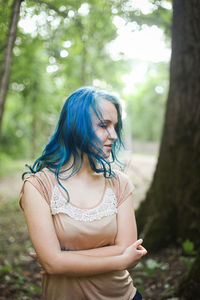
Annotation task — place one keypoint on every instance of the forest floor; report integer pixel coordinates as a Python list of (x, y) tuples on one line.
[(157, 276)]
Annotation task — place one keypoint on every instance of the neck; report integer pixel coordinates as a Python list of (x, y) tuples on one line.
[(85, 169)]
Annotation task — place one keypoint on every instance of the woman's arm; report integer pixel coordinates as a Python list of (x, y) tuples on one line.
[(47, 247), (126, 233)]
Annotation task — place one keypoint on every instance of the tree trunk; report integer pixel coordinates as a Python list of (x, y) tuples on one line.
[(6, 64), (170, 212)]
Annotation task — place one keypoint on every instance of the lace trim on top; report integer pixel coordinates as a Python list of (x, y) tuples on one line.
[(107, 207)]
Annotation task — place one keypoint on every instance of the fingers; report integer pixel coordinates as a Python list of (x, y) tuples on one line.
[(33, 255), (143, 251), (140, 249), (134, 253), (138, 243)]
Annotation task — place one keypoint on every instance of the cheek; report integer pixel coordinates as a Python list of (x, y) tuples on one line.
[(102, 134)]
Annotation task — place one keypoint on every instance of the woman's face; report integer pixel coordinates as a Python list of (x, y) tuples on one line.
[(105, 128)]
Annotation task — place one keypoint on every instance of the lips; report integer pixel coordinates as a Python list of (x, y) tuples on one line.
[(108, 146)]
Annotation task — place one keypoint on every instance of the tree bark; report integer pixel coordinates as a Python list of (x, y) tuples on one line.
[(7, 60), (170, 212)]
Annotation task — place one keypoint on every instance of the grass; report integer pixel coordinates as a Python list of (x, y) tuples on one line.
[(10, 166), (19, 274)]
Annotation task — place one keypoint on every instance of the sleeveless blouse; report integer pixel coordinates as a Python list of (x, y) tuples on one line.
[(81, 229)]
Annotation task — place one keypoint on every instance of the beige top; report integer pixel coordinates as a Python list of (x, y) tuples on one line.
[(79, 229)]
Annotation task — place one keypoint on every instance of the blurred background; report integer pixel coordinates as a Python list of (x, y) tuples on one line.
[(48, 50), (119, 46)]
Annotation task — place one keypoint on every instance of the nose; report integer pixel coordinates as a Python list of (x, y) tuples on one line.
[(112, 133)]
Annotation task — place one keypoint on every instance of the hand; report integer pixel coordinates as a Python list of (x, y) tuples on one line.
[(133, 254), (34, 256)]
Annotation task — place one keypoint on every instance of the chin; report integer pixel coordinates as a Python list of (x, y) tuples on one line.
[(107, 155)]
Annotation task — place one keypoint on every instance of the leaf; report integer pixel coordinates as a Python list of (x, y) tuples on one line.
[(188, 247), (152, 264)]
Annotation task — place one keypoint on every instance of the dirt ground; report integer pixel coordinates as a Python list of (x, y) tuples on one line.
[(156, 276)]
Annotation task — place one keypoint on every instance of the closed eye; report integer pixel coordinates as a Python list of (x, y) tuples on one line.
[(106, 124), (103, 125)]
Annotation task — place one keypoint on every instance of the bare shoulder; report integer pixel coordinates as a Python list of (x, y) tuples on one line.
[(29, 189), (32, 195)]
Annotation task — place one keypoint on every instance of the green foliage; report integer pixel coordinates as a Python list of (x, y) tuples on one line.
[(160, 15), (51, 62), (5, 268), (189, 254), (146, 107), (151, 265), (4, 22), (10, 166), (66, 50), (188, 261), (20, 278), (188, 247)]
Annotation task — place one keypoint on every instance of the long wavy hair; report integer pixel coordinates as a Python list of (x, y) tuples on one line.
[(74, 136)]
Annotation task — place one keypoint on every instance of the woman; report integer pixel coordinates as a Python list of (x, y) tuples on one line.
[(79, 212)]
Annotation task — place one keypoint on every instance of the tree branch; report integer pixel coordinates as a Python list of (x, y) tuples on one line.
[(52, 7), (8, 54)]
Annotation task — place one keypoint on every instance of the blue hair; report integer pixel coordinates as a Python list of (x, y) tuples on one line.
[(74, 136)]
